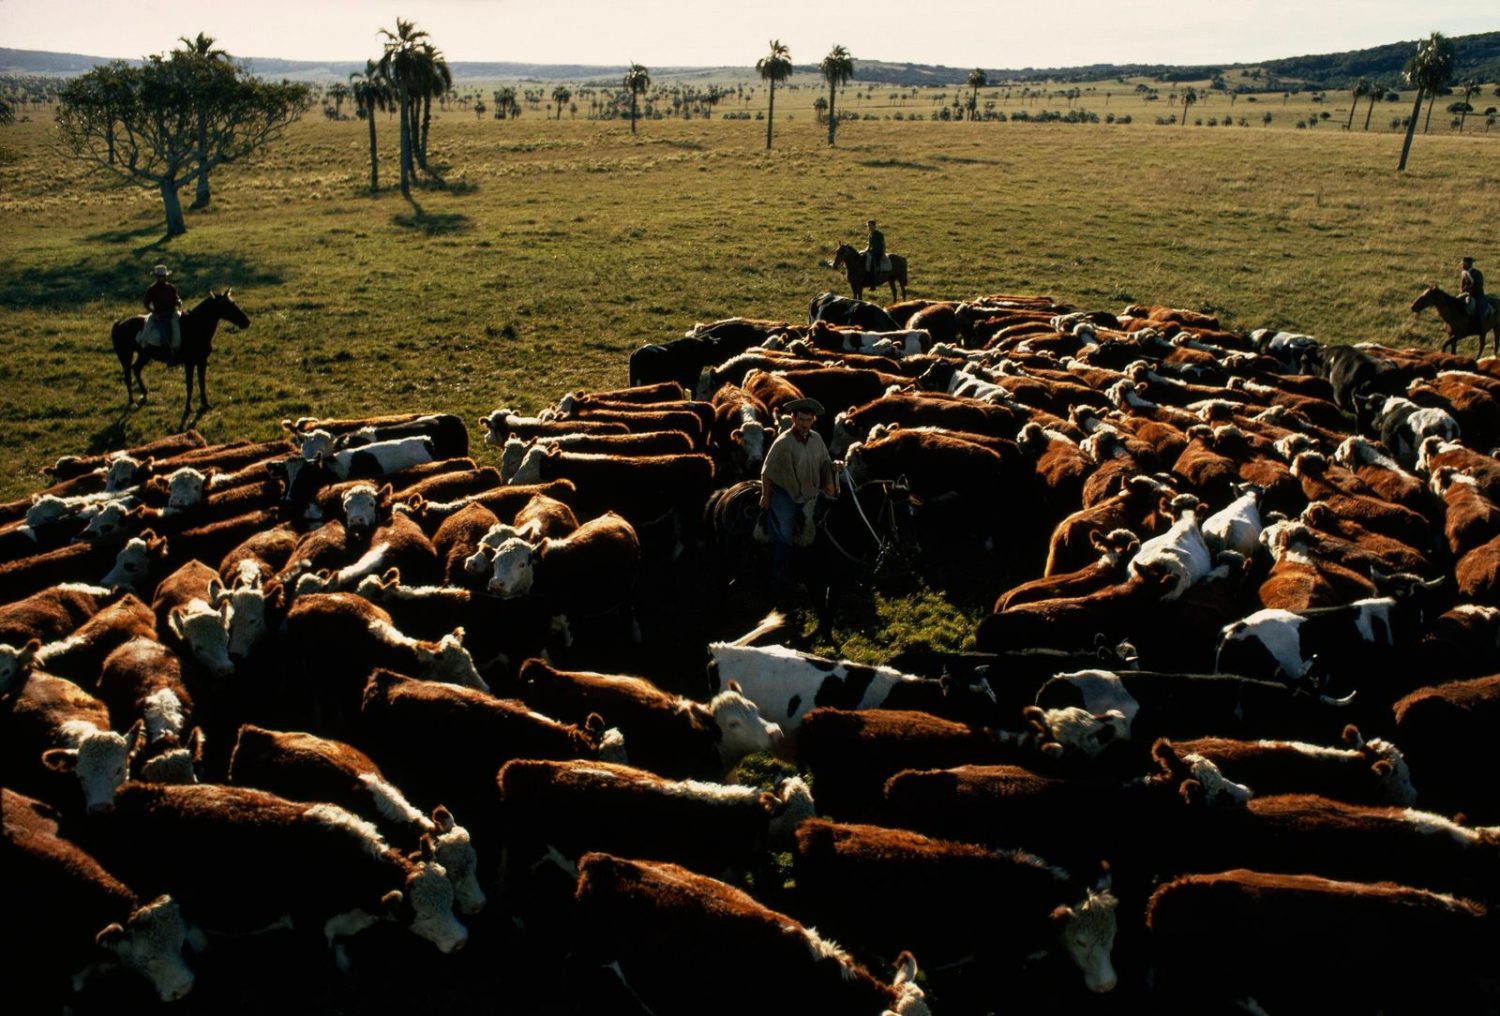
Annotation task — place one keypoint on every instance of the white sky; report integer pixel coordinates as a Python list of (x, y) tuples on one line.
[(661, 33)]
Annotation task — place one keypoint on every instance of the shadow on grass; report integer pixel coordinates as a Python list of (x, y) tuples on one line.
[(123, 278), (897, 164), (432, 224), (109, 437), (152, 230)]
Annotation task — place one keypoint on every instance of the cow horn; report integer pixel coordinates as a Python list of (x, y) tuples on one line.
[(1330, 700)]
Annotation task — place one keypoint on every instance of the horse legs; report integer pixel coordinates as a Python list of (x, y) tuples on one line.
[(202, 387), (187, 405), (135, 368)]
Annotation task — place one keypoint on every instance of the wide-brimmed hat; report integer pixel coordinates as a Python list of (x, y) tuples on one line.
[(812, 406), (162, 270)]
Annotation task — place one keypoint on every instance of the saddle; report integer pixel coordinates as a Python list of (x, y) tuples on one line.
[(151, 332)]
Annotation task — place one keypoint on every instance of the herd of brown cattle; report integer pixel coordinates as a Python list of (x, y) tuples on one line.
[(1220, 740)]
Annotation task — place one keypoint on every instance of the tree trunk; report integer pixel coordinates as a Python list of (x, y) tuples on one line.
[(1411, 128), (374, 163), (1352, 107), (1431, 101), (109, 141), (632, 112), (176, 225), (1369, 110), (770, 116), (832, 119), (200, 199), (426, 122), (406, 168)]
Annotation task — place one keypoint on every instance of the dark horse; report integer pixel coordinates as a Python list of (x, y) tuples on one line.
[(1459, 322), (857, 535), (853, 264), (198, 326)]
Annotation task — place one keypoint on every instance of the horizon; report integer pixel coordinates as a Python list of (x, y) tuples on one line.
[(644, 31)]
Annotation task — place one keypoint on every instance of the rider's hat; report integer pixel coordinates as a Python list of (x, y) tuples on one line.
[(812, 406), (161, 271), (869, 222), (1467, 261)]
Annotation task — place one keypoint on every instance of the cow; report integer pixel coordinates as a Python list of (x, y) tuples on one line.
[(337, 639), (74, 911), (142, 680), (841, 310), (643, 489), (1271, 933), (502, 424), (1365, 772), (1382, 474), (910, 409), (1091, 711), (398, 543), (194, 606), (1401, 425), (1115, 549), (569, 808), (1483, 469), (1478, 573), (1015, 905), (52, 724), (1137, 508), (785, 684), (240, 860), (591, 571), (1237, 526), (80, 656), (129, 567), (51, 614), (1330, 483), (503, 501), (304, 767), (450, 439), (1444, 733), (1470, 518), (1075, 622), (742, 431), (679, 361), (670, 735), (667, 932)]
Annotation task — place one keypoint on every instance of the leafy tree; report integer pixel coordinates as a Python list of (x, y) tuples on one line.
[(338, 92), (637, 80), (1427, 71), (7, 114), (977, 80), (400, 66), (142, 123), (837, 69), (775, 67), (372, 93), (1359, 91), (560, 96), (201, 54), (1189, 96), (434, 80)]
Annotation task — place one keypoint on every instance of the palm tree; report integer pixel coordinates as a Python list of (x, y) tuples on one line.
[(977, 80), (200, 50), (1359, 91), (1377, 92), (775, 67), (1189, 96), (338, 92), (561, 95), (1427, 71), (371, 93), (637, 80), (837, 69), (1469, 88), (434, 80), (400, 67)]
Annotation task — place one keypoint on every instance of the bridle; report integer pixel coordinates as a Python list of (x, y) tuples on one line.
[(884, 547)]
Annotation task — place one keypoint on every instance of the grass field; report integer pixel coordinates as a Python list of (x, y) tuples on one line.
[(553, 248)]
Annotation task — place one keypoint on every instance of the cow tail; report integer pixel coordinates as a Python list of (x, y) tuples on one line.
[(771, 622)]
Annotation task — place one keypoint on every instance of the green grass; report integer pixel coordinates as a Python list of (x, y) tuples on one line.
[(556, 247)]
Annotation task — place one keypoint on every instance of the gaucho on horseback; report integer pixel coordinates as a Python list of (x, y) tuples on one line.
[(163, 306), (1471, 288), (874, 252)]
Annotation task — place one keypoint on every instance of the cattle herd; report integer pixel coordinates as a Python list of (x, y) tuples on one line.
[(273, 712)]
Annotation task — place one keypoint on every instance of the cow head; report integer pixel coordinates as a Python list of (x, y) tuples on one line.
[(204, 630), (448, 661), (110, 520), (512, 455), (1117, 544), (1087, 933), (184, 490), (46, 509), (150, 943), (425, 902), (1387, 765), (514, 567), (317, 444), (1197, 779), (910, 999), (245, 614), (125, 472), (454, 851), (363, 507), (530, 469), (15, 664), (132, 570), (788, 807), (1075, 729), (750, 439), (742, 730), (173, 762), (100, 761)]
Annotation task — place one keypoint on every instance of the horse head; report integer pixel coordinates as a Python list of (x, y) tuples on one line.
[(227, 310), (1428, 297), (843, 255)]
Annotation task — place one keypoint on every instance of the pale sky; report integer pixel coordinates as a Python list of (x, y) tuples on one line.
[(662, 33)]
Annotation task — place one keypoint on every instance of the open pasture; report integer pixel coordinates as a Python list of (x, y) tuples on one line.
[(555, 247)]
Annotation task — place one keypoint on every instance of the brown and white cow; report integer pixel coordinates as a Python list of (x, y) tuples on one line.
[(673, 936), (1446, 733), (142, 680), (52, 724), (81, 655), (304, 767), (1015, 905)]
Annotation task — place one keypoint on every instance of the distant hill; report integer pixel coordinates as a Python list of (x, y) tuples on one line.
[(1476, 56)]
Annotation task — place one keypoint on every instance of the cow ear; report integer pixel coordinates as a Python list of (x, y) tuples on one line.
[(28, 651), (174, 622), (217, 594), (1384, 767), (1352, 737), (1096, 538), (60, 760), (734, 686), (135, 737), (906, 969), (458, 634), (1192, 792), (1060, 914), (392, 577), (195, 745), (443, 819), (391, 902), (384, 494), (110, 936), (157, 546)]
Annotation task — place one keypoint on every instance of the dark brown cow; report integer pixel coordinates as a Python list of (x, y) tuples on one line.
[(668, 932), (142, 681), (1469, 518), (910, 409), (503, 501), (643, 489), (1114, 547), (1137, 508), (1269, 938), (1073, 622), (1446, 732), (51, 614), (107, 563), (81, 654), (503, 424)]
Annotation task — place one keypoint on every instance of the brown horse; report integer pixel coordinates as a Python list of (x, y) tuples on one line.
[(1459, 322), (853, 264), (197, 325)]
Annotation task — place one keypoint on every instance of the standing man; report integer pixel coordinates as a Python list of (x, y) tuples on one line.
[(162, 303), (874, 252), (796, 469), (1471, 287)]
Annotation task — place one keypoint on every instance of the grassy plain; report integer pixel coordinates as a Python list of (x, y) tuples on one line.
[(552, 248)]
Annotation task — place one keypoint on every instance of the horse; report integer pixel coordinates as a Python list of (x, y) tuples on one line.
[(866, 528), (197, 325), (1459, 322), (853, 264)]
